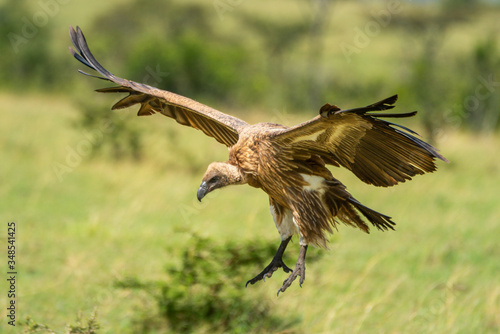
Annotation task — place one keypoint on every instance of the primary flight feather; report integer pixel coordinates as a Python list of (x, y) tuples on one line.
[(289, 163)]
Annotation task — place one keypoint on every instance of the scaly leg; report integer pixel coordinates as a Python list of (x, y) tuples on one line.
[(276, 263), (300, 270)]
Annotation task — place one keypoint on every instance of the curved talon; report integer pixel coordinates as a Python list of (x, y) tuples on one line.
[(286, 269), (269, 271), (300, 270), (276, 263), (288, 282)]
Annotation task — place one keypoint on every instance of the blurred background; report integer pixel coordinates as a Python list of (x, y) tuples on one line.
[(110, 237)]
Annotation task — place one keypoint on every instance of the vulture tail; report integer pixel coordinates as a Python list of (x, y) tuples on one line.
[(379, 220), (348, 210)]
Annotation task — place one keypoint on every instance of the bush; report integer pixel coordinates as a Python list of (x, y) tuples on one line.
[(481, 103), (89, 326), (26, 58), (173, 46), (206, 290)]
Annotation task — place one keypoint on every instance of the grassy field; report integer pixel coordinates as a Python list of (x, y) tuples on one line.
[(104, 221), (85, 222)]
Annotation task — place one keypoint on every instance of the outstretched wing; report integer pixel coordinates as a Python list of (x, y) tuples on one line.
[(377, 151), (224, 128)]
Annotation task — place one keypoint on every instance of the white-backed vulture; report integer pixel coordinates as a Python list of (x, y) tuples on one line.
[(289, 163)]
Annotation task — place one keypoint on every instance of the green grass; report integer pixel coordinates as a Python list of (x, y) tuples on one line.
[(107, 221), (110, 220)]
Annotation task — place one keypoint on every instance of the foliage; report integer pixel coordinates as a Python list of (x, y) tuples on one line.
[(89, 326), (183, 53), (186, 48), (448, 86), (429, 96), (206, 289), (27, 61), (31, 327), (481, 105)]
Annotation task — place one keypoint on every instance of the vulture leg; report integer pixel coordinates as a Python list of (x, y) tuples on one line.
[(300, 270), (276, 263)]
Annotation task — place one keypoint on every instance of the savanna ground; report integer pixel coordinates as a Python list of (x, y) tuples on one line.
[(99, 235)]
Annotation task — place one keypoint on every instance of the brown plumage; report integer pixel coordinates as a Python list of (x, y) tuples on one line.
[(289, 163)]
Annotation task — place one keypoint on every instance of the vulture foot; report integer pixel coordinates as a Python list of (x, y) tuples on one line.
[(300, 270), (275, 264)]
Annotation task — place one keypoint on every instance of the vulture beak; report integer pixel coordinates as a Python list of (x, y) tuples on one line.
[(202, 191)]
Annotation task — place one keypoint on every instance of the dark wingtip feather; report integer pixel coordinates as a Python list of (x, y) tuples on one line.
[(398, 115), (384, 104), (80, 58), (390, 100), (93, 76), (409, 134), (119, 89), (72, 35), (434, 152), (83, 55)]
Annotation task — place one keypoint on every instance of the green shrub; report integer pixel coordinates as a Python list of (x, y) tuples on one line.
[(26, 58), (206, 290), (88, 326)]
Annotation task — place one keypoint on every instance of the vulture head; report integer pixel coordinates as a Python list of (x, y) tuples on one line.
[(219, 175)]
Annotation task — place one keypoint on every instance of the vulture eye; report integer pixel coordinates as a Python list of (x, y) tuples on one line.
[(214, 179)]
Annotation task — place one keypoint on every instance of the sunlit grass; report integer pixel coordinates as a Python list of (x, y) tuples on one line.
[(108, 220)]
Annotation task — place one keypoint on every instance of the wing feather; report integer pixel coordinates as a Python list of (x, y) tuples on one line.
[(224, 128), (378, 152)]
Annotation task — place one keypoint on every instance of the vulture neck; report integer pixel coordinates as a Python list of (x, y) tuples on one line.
[(234, 174)]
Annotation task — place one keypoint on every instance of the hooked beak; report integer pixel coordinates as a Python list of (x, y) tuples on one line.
[(202, 191)]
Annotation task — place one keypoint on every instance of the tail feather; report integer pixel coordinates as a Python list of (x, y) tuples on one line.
[(379, 220), (344, 208)]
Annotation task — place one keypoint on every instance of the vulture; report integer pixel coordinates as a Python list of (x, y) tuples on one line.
[(290, 163)]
